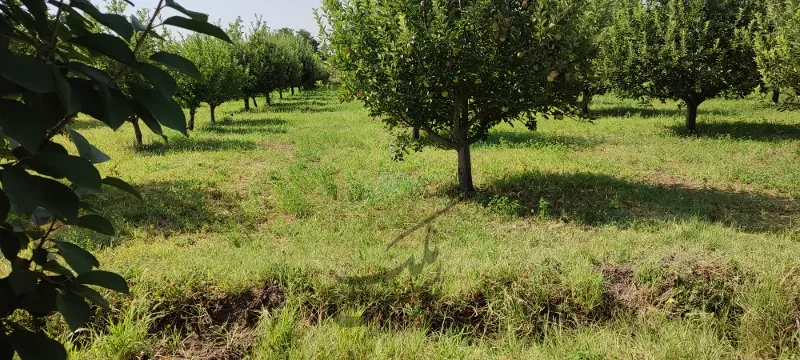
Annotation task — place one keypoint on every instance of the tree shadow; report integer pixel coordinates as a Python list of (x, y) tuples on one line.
[(243, 127), (597, 199), (533, 139), (650, 112), (182, 144), (742, 130), (171, 207), (411, 264)]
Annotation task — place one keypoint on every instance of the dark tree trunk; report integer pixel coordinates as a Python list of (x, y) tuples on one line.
[(246, 103), (587, 99), (269, 99), (464, 160), (255, 102), (137, 131), (280, 93), (192, 112), (465, 170), (292, 90), (691, 115), (415, 133), (776, 96), (213, 116)]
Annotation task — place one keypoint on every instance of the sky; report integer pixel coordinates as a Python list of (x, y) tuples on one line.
[(296, 14)]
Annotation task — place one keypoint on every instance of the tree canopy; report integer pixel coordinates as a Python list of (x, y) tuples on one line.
[(456, 68), (687, 50), (777, 45)]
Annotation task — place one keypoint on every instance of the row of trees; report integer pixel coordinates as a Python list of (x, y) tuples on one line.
[(259, 62), (456, 68)]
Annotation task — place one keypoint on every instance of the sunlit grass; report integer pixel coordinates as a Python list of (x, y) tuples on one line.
[(304, 193)]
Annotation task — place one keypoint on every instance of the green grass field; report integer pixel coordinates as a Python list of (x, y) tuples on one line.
[(288, 232)]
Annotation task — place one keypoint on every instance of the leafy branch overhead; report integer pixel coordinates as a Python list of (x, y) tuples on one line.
[(60, 60)]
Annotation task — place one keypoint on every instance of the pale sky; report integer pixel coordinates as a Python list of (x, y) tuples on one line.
[(296, 14)]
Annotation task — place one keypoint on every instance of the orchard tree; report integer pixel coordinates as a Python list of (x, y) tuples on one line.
[(288, 68), (685, 50), (594, 68), (47, 79), (221, 77), (777, 45), (456, 68)]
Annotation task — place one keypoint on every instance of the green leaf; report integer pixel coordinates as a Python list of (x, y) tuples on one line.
[(21, 189), (87, 150), (177, 63), (97, 223), (115, 22), (74, 309), (21, 124), (91, 294), (78, 170), (108, 45), (137, 25), (22, 280), (62, 89), (78, 259), (104, 279), (164, 109), (9, 244), (58, 198), (41, 301), (33, 346), (192, 14), (161, 79), (27, 72), (90, 72), (202, 27), (122, 185)]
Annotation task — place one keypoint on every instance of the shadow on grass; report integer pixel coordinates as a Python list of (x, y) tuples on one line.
[(191, 144), (533, 139), (175, 207), (743, 131), (243, 127), (650, 112), (415, 267), (596, 200)]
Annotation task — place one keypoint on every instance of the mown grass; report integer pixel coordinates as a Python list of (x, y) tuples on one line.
[(623, 238)]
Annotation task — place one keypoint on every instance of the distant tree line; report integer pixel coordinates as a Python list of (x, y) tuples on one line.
[(260, 61)]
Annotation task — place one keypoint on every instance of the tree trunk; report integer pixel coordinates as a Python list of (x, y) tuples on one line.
[(776, 96), (269, 99), (255, 102), (464, 160), (465, 170), (292, 90), (691, 115), (213, 116), (192, 112), (587, 99), (137, 131), (246, 103), (415, 133), (280, 93)]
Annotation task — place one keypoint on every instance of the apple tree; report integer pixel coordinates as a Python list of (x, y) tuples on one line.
[(777, 45), (685, 50), (456, 68)]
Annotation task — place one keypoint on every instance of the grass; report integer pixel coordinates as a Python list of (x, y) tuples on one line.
[(288, 232)]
